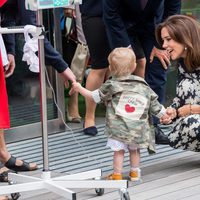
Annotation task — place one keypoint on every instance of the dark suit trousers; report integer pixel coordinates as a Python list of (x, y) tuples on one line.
[(155, 74)]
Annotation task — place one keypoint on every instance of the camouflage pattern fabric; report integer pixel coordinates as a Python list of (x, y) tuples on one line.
[(130, 103)]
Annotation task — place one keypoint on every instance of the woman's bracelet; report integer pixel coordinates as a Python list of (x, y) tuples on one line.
[(190, 109)]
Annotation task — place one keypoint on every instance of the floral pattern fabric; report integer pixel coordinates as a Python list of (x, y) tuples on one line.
[(186, 131)]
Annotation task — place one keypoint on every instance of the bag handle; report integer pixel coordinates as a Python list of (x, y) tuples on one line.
[(70, 29)]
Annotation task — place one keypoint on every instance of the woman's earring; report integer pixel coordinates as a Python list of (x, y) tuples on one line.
[(185, 48)]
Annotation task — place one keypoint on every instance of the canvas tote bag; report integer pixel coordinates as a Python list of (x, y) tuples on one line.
[(79, 61)]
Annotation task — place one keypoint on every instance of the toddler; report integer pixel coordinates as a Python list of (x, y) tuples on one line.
[(130, 102)]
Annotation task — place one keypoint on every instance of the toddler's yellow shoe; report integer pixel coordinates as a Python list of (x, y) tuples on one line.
[(135, 175), (114, 177)]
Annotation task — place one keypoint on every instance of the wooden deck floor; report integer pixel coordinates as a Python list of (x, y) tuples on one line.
[(168, 175)]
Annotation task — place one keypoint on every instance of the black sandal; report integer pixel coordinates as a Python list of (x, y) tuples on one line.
[(4, 176), (15, 196), (11, 164)]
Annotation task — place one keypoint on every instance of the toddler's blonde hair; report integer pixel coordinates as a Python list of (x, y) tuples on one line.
[(122, 61)]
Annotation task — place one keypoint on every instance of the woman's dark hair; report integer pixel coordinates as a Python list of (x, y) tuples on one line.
[(184, 30)]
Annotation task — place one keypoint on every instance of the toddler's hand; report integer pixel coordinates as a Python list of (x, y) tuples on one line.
[(171, 112), (165, 119), (75, 88)]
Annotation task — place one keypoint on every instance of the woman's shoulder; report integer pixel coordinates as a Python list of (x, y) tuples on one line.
[(185, 73)]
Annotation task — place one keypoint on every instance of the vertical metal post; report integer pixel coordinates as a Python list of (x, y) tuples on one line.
[(43, 100), (58, 46)]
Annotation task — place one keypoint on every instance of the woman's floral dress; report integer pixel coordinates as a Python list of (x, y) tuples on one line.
[(186, 132)]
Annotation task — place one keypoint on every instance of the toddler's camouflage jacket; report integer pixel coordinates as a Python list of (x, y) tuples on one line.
[(130, 103)]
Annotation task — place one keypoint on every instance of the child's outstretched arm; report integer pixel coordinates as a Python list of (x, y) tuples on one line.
[(77, 87), (163, 115)]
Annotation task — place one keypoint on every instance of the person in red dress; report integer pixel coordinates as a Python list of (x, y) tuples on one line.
[(7, 65), (6, 158), (4, 117)]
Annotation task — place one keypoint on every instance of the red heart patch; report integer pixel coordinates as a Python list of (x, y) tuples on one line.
[(129, 109)]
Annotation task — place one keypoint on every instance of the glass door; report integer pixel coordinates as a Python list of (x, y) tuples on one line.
[(24, 97)]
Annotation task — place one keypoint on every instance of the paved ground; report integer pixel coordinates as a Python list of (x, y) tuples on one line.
[(169, 174)]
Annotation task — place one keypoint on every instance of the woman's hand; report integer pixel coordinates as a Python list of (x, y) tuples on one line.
[(9, 69), (162, 55)]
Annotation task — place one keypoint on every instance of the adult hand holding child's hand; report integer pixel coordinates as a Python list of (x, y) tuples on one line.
[(75, 88)]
